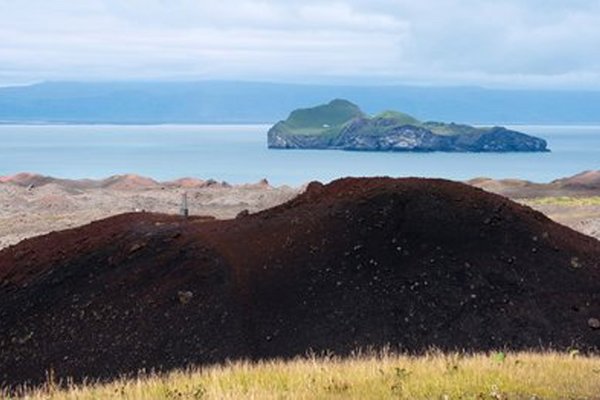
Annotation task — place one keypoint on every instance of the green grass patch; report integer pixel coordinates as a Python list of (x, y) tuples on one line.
[(565, 201), (399, 117), (323, 119), (328, 120)]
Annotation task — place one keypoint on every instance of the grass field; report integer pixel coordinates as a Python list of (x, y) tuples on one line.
[(565, 201), (433, 376)]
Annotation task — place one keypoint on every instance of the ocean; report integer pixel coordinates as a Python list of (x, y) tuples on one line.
[(239, 154)]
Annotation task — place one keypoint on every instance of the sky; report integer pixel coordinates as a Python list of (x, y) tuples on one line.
[(499, 43)]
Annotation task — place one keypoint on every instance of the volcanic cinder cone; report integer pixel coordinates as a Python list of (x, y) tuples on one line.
[(409, 263)]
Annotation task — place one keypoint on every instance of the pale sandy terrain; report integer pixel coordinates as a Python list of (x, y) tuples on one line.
[(28, 210), (573, 201), (32, 205), (583, 218)]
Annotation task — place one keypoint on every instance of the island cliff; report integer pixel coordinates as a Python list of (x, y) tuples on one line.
[(342, 125)]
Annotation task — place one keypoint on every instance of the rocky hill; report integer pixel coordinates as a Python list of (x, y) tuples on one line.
[(117, 182), (358, 263), (586, 183), (342, 125)]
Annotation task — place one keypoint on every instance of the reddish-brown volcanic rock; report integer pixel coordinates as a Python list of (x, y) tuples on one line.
[(584, 180), (411, 263)]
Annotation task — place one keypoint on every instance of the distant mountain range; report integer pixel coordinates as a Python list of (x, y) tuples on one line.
[(252, 102)]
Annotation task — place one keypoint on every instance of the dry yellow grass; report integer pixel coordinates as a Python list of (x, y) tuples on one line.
[(565, 201), (434, 376)]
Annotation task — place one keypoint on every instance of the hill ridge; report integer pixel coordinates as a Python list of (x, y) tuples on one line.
[(357, 263)]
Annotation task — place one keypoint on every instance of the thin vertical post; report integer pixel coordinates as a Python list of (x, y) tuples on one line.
[(184, 205)]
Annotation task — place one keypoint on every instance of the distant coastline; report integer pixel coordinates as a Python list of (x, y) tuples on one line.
[(268, 124), (262, 102), (118, 123)]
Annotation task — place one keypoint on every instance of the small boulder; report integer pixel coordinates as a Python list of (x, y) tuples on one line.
[(135, 247), (575, 263), (242, 214), (594, 323), (185, 296)]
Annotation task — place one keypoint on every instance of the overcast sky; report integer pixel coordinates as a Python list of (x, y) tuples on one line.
[(499, 43)]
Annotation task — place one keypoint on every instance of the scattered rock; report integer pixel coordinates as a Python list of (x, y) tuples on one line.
[(135, 247), (594, 323), (242, 214), (185, 296)]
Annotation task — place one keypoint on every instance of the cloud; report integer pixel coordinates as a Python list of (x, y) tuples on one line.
[(477, 42)]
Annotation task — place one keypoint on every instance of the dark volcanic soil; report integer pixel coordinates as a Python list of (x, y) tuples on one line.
[(361, 262)]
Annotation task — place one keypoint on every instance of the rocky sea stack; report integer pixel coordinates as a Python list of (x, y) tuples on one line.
[(342, 125)]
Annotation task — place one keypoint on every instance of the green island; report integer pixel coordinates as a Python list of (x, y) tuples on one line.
[(342, 125)]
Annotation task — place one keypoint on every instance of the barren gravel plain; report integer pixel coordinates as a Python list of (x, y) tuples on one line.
[(32, 205)]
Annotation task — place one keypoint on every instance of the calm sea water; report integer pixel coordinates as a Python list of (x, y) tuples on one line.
[(239, 154)]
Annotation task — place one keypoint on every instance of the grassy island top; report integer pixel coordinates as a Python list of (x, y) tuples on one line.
[(329, 119)]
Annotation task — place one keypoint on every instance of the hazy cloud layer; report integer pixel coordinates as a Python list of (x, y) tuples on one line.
[(494, 43)]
